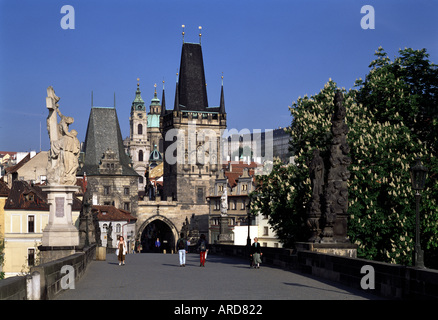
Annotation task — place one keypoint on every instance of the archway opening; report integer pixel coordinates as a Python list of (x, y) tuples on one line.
[(157, 229)]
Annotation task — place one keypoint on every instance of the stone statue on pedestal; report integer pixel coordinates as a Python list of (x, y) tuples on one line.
[(60, 236), (64, 144), (336, 193), (316, 169)]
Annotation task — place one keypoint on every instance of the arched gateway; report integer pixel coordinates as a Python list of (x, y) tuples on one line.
[(157, 226)]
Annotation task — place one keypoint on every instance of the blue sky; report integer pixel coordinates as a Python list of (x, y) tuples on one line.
[(270, 53)]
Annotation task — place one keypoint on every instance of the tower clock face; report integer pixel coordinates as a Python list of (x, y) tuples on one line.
[(140, 115)]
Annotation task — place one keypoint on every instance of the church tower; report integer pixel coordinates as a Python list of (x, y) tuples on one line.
[(154, 133), (191, 167), (138, 146)]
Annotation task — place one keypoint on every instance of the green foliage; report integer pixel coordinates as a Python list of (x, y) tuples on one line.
[(391, 120)]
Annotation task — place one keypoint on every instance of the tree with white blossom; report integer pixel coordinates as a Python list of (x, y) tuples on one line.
[(388, 130)]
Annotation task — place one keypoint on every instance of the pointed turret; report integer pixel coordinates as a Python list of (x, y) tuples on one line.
[(176, 105), (155, 103), (192, 92), (163, 103), (222, 102)]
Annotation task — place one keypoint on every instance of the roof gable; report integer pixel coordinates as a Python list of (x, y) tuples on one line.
[(111, 213), (103, 134)]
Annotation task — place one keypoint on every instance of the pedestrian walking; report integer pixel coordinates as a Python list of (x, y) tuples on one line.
[(157, 245), (256, 253), (122, 250), (181, 244), (202, 246)]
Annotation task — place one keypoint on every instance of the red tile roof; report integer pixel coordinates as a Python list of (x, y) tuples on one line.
[(4, 189), (237, 171), (111, 213), (31, 197)]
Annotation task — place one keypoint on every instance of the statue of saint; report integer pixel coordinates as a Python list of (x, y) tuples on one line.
[(64, 144), (317, 174), (224, 202)]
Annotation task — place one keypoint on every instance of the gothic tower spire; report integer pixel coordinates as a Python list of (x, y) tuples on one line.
[(222, 102)]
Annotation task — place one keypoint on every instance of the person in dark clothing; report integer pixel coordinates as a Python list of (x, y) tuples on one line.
[(256, 253), (202, 246)]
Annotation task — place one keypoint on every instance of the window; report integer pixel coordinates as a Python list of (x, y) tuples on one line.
[(126, 206), (200, 195), (234, 205), (30, 224), (126, 191), (140, 155), (29, 197), (106, 190), (118, 228), (243, 207), (104, 228), (31, 257), (140, 129), (265, 231)]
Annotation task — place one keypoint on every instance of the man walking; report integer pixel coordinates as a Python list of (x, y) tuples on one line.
[(182, 250)]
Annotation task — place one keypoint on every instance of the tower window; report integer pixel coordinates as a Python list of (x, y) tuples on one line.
[(200, 195), (140, 154), (140, 129)]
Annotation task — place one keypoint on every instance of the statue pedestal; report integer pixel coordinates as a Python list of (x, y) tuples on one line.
[(344, 249), (60, 236), (225, 236)]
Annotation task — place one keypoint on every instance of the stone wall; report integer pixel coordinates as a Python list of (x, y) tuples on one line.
[(391, 281), (13, 288), (47, 276)]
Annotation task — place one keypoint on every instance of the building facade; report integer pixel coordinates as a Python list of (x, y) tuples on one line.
[(26, 214), (113, 223), (138, 145), (108, 169), (238, 178), (191, 155)]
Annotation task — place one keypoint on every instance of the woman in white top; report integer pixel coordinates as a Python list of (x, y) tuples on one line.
[(121, 246)]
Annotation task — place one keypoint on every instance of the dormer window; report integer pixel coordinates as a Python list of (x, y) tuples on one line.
[(29, 197)]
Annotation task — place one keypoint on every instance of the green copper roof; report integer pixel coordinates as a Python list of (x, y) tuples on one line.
[(153, 120), (155, 101), (138, 103)]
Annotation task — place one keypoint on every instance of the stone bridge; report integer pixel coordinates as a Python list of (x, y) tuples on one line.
[(284, 275)]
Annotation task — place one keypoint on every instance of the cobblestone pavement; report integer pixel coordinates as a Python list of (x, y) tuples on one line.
[(159, 277)]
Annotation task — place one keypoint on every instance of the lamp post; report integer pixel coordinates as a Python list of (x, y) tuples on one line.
[(418, 179), (248, 212)]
